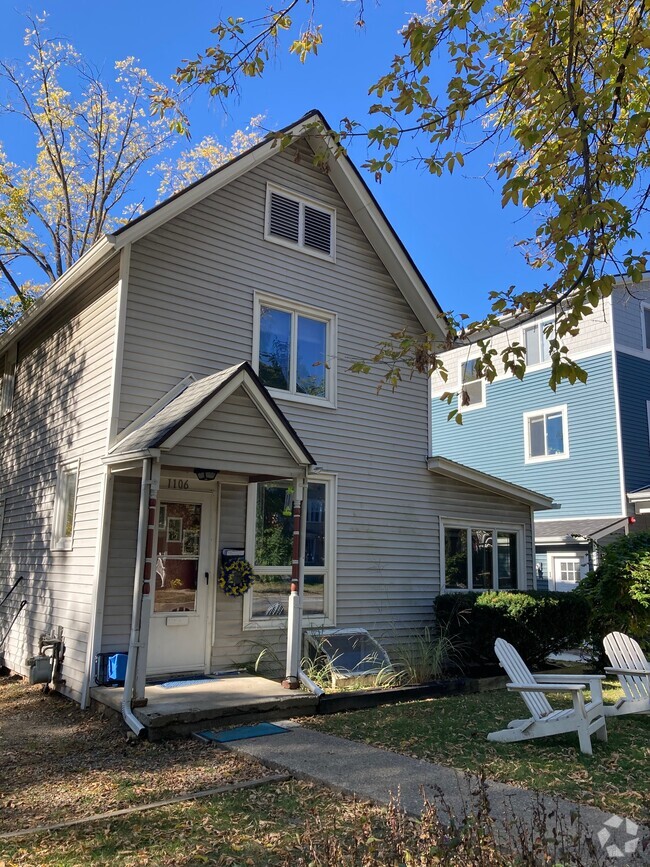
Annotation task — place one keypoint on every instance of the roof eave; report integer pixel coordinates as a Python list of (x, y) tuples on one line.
[(460, 473), (93, 259)]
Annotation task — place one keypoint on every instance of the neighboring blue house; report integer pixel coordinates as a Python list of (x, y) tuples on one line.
[(585, 445)]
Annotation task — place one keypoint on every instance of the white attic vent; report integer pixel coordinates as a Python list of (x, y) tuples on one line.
[(297, 223), (284, 219), (318, 230)]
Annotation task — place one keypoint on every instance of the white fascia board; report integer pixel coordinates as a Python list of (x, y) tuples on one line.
[(384, 243), (458, 472), (100, 252), (130, 457)]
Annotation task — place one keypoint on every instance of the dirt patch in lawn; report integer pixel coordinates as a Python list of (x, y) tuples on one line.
[(59, 762)]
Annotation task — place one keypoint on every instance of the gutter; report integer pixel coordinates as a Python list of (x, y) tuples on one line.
[(134, 639)]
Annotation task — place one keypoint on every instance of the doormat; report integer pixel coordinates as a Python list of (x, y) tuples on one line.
[(241, 733), (184, 681)]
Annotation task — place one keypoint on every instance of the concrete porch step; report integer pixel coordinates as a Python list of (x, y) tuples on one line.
[(211, 704)]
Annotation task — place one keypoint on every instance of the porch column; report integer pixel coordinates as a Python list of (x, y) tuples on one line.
[(294, 624), (147, 576)]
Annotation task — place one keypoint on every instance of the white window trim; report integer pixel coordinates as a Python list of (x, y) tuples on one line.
[(496, 527), (58, 542), (298, 309), (302, 201), (8, 381), (541, 324), (541, 459), (644, 337), (482, 403), (329, 617)]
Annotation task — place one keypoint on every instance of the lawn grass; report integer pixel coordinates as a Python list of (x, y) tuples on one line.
[(259, 826), (453, 731)]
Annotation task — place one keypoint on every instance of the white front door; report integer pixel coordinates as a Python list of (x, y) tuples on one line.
[(179, 619)]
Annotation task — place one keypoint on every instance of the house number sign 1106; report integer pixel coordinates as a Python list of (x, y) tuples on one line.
[(178, 484)]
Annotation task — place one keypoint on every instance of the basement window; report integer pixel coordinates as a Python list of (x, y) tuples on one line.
[(297, 222)]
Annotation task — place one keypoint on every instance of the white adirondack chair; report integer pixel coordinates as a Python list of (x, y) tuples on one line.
[(633, 671), (585, 718)]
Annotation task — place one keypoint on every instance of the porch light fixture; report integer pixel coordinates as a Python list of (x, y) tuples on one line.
[(205, 475)]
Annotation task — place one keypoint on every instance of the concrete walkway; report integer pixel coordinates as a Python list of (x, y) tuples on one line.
[(374, 774)]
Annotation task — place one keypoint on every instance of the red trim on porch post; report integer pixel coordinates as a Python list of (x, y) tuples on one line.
[(148, 553), (292, 682)]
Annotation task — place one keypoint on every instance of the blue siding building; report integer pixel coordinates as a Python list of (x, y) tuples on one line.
[(585, 445)]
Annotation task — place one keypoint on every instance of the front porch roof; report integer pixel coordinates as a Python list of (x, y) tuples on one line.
[(174, 421), (469, 476)]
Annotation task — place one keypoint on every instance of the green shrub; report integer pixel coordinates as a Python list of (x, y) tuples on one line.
[(618, 592), (537, 623)]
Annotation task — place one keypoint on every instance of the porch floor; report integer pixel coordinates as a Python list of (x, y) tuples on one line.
[(221, 701)]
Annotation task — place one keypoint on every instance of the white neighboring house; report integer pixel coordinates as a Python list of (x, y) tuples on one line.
[(168, 398)]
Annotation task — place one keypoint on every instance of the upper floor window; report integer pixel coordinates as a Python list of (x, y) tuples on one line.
[(8, 373), (65, 501), (294, 350), (472, 386), (481, 558), (536, 340), (297, 222), (645, 326), (270, 547), (546, 434)]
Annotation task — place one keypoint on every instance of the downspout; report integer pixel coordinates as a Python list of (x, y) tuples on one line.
[(134, 639)]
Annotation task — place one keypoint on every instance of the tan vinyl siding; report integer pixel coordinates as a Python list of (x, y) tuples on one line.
[(235, 438), (120, 566), (60, 413)]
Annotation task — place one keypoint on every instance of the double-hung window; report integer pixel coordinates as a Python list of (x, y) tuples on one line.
[(65, 502), (294, 350), (472, 386), (296, 222), (546, 435), (536, 341), (481, 557), (269, 549)]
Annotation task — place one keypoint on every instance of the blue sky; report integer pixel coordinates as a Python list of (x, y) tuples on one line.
[(454, 226)]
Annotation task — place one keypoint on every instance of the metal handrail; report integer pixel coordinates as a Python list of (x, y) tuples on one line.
[(9, 592)]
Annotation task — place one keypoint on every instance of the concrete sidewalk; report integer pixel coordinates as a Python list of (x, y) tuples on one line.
[(376, 775)]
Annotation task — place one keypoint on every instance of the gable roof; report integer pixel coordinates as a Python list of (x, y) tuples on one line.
[(469, 476), (344, 175), (173, 422)]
